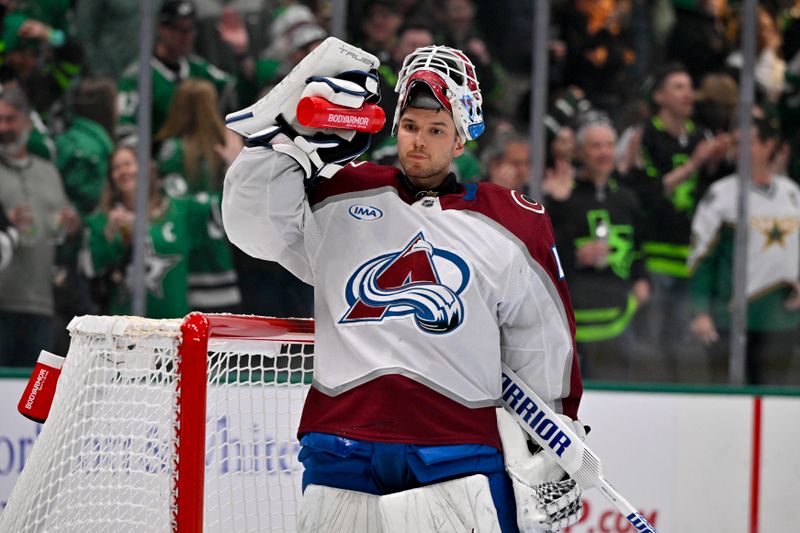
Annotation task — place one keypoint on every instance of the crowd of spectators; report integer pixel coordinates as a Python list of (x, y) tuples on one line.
[(641, 125)]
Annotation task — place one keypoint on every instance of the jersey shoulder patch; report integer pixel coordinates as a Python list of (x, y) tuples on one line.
[(502, 198), (526, 202), (517, 213)]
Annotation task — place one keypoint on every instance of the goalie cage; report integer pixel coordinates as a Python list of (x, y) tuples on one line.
[(170, 425)]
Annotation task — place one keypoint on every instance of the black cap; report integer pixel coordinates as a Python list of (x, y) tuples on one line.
[(767, 127), (391, 5), (421, 96), (174, 10)]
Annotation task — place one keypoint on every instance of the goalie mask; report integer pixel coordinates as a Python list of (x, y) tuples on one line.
[(450, 76)]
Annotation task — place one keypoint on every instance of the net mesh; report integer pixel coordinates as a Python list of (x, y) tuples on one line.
[(105, 461), (251, 451)]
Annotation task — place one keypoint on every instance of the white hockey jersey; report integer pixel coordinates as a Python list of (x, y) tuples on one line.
[(417, 300), (773, 251)]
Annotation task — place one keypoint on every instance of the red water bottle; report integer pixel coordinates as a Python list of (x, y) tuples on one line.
[(316, 112), (38, 396)]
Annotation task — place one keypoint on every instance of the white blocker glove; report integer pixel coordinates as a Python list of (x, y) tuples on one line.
[(547, 500), (336, 71), (323, 152)]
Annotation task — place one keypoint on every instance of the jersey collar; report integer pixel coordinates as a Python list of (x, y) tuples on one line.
[(450, 185)]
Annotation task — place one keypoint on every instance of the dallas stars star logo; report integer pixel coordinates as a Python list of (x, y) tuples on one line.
[(156, 268), (774, 235), (777, 230)]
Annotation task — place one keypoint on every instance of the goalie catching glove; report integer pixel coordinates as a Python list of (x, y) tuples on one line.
[(336, 71), (547, 500)]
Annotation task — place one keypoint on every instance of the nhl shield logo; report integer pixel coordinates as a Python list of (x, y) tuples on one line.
[(420, 281)]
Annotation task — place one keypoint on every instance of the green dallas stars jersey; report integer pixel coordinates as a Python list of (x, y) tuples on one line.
[(172, 237), (773, 258), (165, 81), (171, 168), (83, 154), (212, 278)]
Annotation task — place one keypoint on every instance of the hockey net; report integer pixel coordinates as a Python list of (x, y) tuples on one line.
[(170, 425)]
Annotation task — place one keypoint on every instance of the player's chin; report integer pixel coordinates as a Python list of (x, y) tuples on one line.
[(424, 180), (420, 170), (415, 167)]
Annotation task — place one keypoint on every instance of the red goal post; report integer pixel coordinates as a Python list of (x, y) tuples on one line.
[(170, 425)]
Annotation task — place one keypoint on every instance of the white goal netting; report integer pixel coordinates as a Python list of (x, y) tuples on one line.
[(109, 457)]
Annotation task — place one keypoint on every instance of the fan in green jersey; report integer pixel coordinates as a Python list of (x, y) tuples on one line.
[(177, 227), (193, 141), (172, 62)]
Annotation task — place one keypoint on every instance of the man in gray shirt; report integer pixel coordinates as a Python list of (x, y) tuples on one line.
[(33, 194)]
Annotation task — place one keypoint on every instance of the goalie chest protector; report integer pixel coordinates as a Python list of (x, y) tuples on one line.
[(415, 297)]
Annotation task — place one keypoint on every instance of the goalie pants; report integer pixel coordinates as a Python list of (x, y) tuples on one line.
[(385, 468)]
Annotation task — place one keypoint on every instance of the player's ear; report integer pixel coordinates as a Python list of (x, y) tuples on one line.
[(458, 148)]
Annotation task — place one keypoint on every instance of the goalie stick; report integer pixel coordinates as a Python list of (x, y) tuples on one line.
[(567, 449)]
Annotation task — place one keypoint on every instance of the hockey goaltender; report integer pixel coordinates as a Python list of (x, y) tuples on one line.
[(423, 288)]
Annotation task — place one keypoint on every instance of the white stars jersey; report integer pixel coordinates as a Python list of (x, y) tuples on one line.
[(773, 256), (417, 300)]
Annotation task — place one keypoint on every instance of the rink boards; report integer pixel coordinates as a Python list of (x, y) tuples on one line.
[(690, 462)]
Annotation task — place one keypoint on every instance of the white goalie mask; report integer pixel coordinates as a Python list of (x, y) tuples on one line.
[(450, 75)]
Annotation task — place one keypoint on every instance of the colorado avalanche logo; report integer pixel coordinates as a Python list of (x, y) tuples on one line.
[(419, 280)]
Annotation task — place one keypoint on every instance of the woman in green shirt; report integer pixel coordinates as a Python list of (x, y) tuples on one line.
[(175, 230), (195, 152)]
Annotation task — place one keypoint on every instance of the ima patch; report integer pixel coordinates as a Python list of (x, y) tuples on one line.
[(365, 212), (419, 281)]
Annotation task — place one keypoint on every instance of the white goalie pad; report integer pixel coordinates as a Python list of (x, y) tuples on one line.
[(331, 510), (455, 506), (333, 56)]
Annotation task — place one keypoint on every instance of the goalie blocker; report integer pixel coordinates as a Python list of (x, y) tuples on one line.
[(330, 58), (325, 138)]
